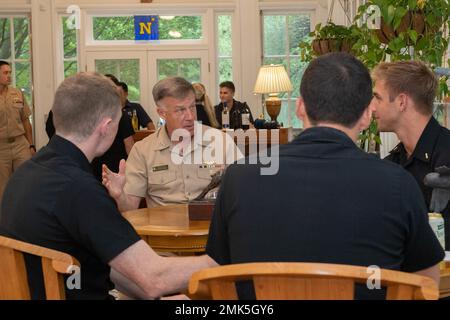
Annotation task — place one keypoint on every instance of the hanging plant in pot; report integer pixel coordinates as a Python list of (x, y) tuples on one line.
[(331, 38), (409, 29)]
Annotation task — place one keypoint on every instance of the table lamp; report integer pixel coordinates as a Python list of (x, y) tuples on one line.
[(272, 79)]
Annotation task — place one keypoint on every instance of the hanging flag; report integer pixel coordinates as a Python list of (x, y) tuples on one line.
[(146, 28)]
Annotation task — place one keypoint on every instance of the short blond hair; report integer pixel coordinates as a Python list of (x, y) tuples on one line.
[(411, 77), (81, 101)]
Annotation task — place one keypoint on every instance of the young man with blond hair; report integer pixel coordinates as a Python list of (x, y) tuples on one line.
[(54, 200), (403, 99)]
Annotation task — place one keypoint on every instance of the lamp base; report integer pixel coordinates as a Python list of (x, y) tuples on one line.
[(273, 108)]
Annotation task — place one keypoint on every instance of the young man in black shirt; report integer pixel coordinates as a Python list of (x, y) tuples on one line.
[(330, 202), (123, 141), (235, 107), (404, 95), (54, 201)]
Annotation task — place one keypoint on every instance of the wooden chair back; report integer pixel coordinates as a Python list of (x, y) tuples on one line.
[(306, 281), (13, 273)]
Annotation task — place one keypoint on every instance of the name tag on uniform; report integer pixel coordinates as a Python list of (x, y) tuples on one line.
[(207, 165), (160, 168)]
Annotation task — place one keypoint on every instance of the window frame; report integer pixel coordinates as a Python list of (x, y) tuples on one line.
[(13, 60), (274, 11), (216, 46), (61, 59)]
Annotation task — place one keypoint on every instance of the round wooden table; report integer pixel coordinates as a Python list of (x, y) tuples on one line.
[(168, 228)]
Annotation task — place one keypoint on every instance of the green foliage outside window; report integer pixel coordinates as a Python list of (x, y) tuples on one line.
[(224, 48), (16, 51), (282, 33), (70, 49), (122, 28)]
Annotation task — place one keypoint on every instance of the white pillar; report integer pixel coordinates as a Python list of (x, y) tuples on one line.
[(248, 58), (43, 64)]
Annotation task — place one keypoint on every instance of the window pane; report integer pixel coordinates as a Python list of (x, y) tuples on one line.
[(295, 122), (186, 68), (122, 28), (70, 40), (299, 27), (23, 79), (224, 35), (21, 38), (5, 38), (126, 70), (180, 27), (113, 28), (225, 70), (283, 117), (276, 60), (296, 73), (70, 68), (274, 35)]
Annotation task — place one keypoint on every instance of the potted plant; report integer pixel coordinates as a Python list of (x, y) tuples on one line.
[(409, 29)]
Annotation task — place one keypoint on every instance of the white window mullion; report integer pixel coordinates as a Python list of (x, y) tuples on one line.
[(13, 49)]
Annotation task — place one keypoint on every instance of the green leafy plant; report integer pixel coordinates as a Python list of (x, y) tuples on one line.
[(410, 29), (326, 38)]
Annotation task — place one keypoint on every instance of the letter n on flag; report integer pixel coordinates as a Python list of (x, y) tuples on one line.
[(146, 28)]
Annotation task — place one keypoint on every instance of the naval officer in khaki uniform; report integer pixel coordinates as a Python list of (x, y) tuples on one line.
[(164, 170), (16, 142)]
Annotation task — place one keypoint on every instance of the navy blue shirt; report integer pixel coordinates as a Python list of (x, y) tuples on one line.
[(329, 202), (53, 200), (143, 118), (117, 150), (432, 151)]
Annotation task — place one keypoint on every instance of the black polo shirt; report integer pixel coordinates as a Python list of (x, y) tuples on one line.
[(117, 150), (329, 202), (143, 118), (53, 200), (432, 151), (202, 115)]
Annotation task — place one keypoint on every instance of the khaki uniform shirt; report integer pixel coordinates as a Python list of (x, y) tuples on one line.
[(156, 170), (13, 111)]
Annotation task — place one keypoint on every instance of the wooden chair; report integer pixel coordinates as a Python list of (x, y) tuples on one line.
[(305, 281), (13, 274), (141, 134)]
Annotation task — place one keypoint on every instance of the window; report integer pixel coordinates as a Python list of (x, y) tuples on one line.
[(15, 49), (170, 28), (224, 48), (126, 70), (70, 54), (186, 68), (282, 35)]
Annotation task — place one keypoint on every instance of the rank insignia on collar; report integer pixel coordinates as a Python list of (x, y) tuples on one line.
[(160, 168), (208, 165)]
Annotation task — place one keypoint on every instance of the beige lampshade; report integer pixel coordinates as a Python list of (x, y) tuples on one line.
[(272, 79)]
